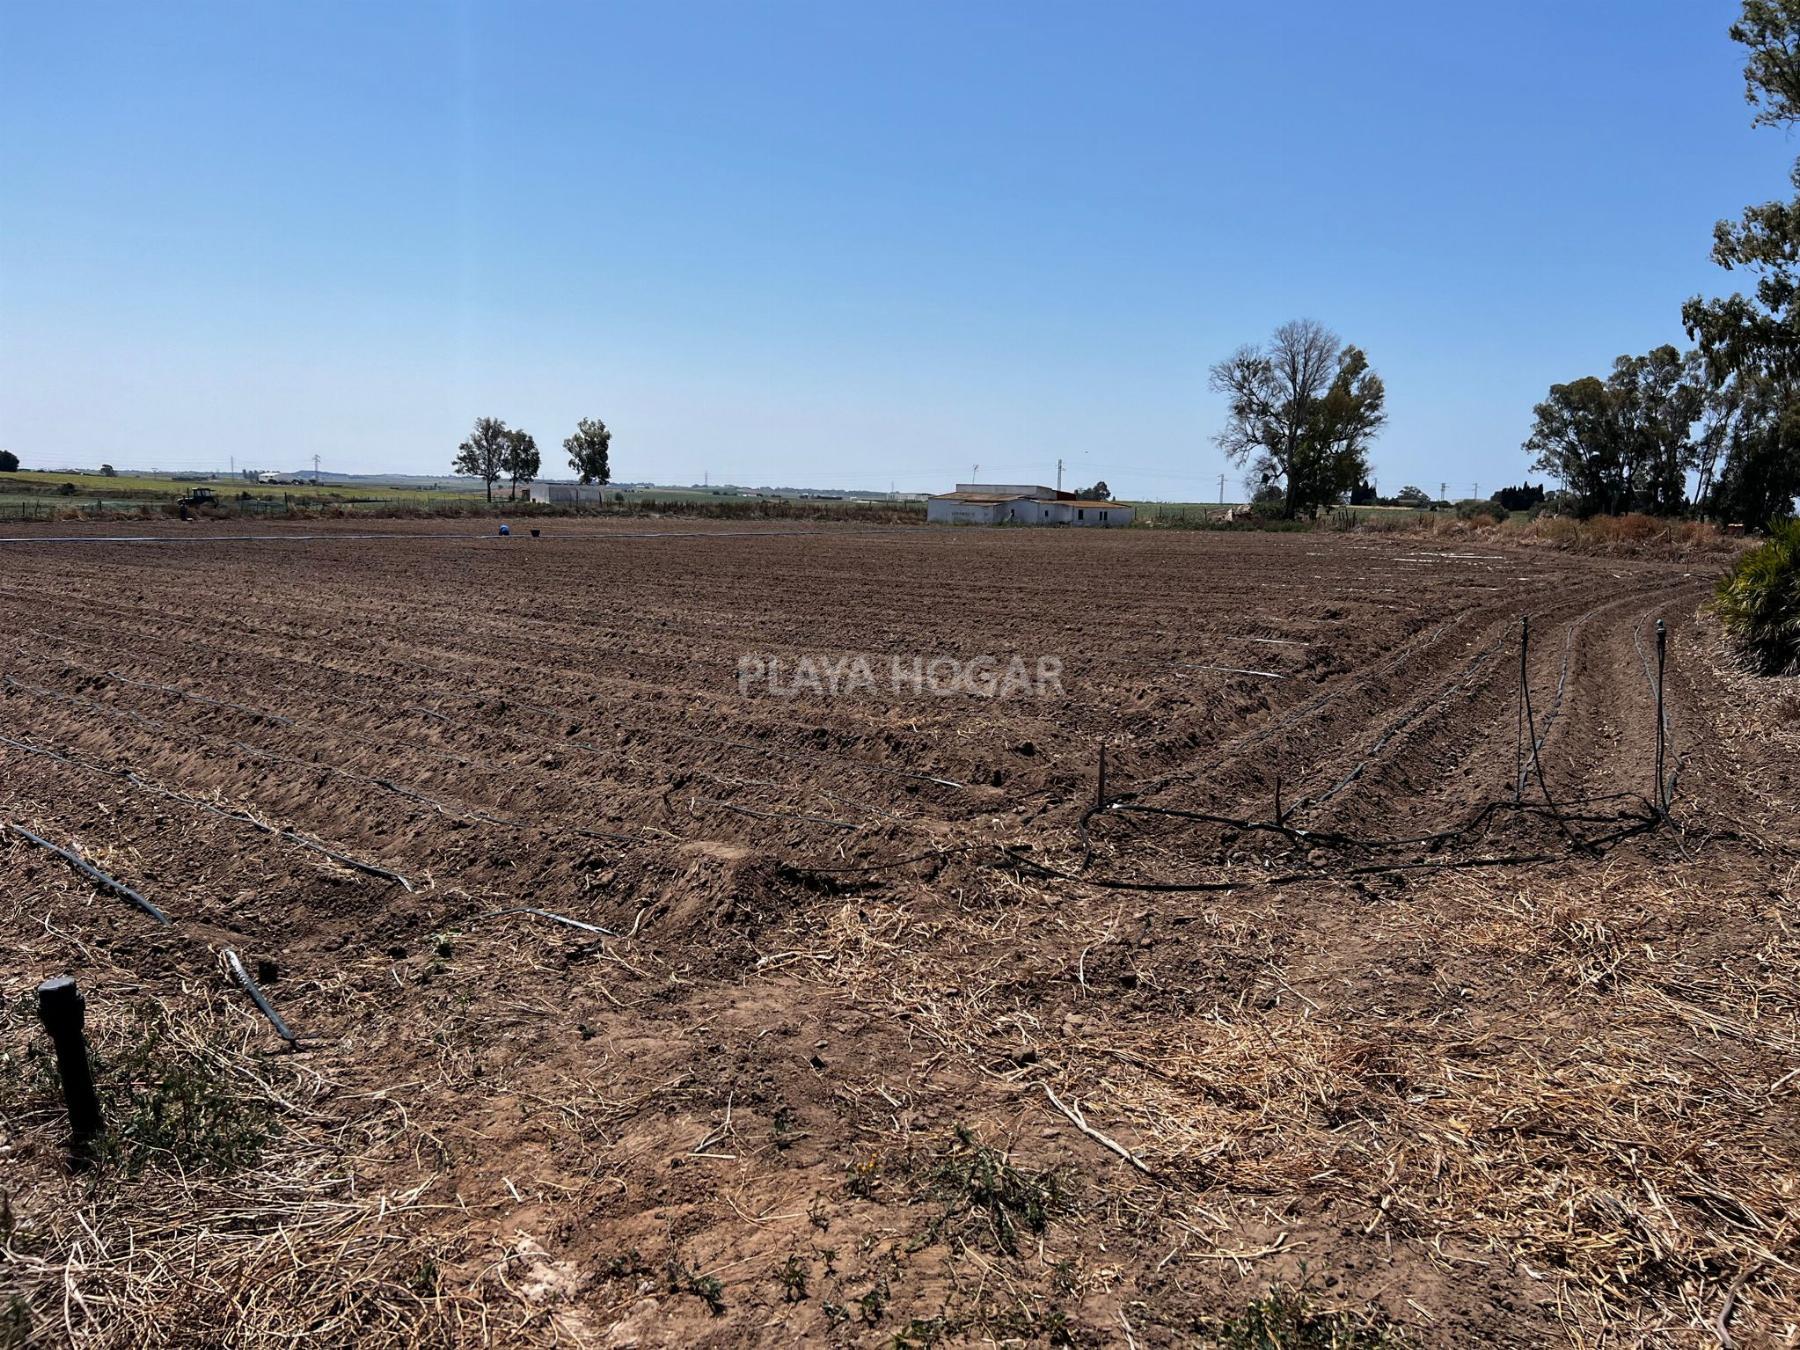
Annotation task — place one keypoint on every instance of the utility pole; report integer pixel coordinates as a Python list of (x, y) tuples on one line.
[(1443, 492), (1221, 489), (315, 471), (975, 474), (1059, 473), (1475, 490)]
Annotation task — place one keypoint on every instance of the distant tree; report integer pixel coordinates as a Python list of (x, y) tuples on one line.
[(483, 455), (1521, 498), (1625, 443), (1749, 454), (9, 462), (520, 459), (1302, 411), (1099, 492), (589, 450), (1416, 497), (107, 471), (1363, 494)]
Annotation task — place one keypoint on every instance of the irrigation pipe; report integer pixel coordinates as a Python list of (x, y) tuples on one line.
[(92, 873), (257, 997)]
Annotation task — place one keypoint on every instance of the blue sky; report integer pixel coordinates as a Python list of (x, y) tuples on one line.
[(840, 243)]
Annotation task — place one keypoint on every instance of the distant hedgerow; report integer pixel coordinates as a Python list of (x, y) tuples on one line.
[(1759, 603)]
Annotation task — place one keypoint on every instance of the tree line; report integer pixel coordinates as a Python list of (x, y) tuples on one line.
[(1713, 431), (1724, 415), (495, 451)]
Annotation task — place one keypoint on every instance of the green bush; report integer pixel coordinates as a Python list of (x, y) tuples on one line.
[(1474, 508), (1286, 1320), (1759, 603)]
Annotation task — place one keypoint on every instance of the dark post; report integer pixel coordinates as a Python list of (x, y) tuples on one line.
[(1524, 678), (63, 1011), (1100, 781), (1662, 656)]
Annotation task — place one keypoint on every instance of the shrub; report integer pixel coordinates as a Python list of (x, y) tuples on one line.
[(1759, 603), (1286, 1320), (1474, 509)]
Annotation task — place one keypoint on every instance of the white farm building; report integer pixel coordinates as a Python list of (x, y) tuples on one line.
[(1022, 504)]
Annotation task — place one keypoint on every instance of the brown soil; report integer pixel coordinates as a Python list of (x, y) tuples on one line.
[(1533, 1082)]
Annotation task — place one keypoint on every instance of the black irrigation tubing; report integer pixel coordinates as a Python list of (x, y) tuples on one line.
[(163, 729), (244, 817), (1531, 734), (1665, 733), (257, 997), (798, 755), (1243, 744), (1291, 878), (386, 784), (1535, 740), (462, 761), (773, 815), (563, 919), (292, 836), (92, 873), (1399, 725), (1337, 839), (891, 863), (190, 697)]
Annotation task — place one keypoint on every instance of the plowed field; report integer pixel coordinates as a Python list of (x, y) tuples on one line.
[(889, 1020)]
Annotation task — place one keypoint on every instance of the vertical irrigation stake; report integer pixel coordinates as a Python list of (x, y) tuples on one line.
[(1519, 730), (63, 1012), (1662, 657)]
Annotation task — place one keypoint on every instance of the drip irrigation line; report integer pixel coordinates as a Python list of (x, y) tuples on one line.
[(796, 755), (1231, 670), (249, 986), (889, 865), (772, 815), (1337, 839), (1395, 728), (1665, 735), (92, 873), (292, 836), (556, 918), (131, 777), (1536, 740), (190, 697)]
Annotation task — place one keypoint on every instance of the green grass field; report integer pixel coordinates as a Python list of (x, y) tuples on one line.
[(35, 494)]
